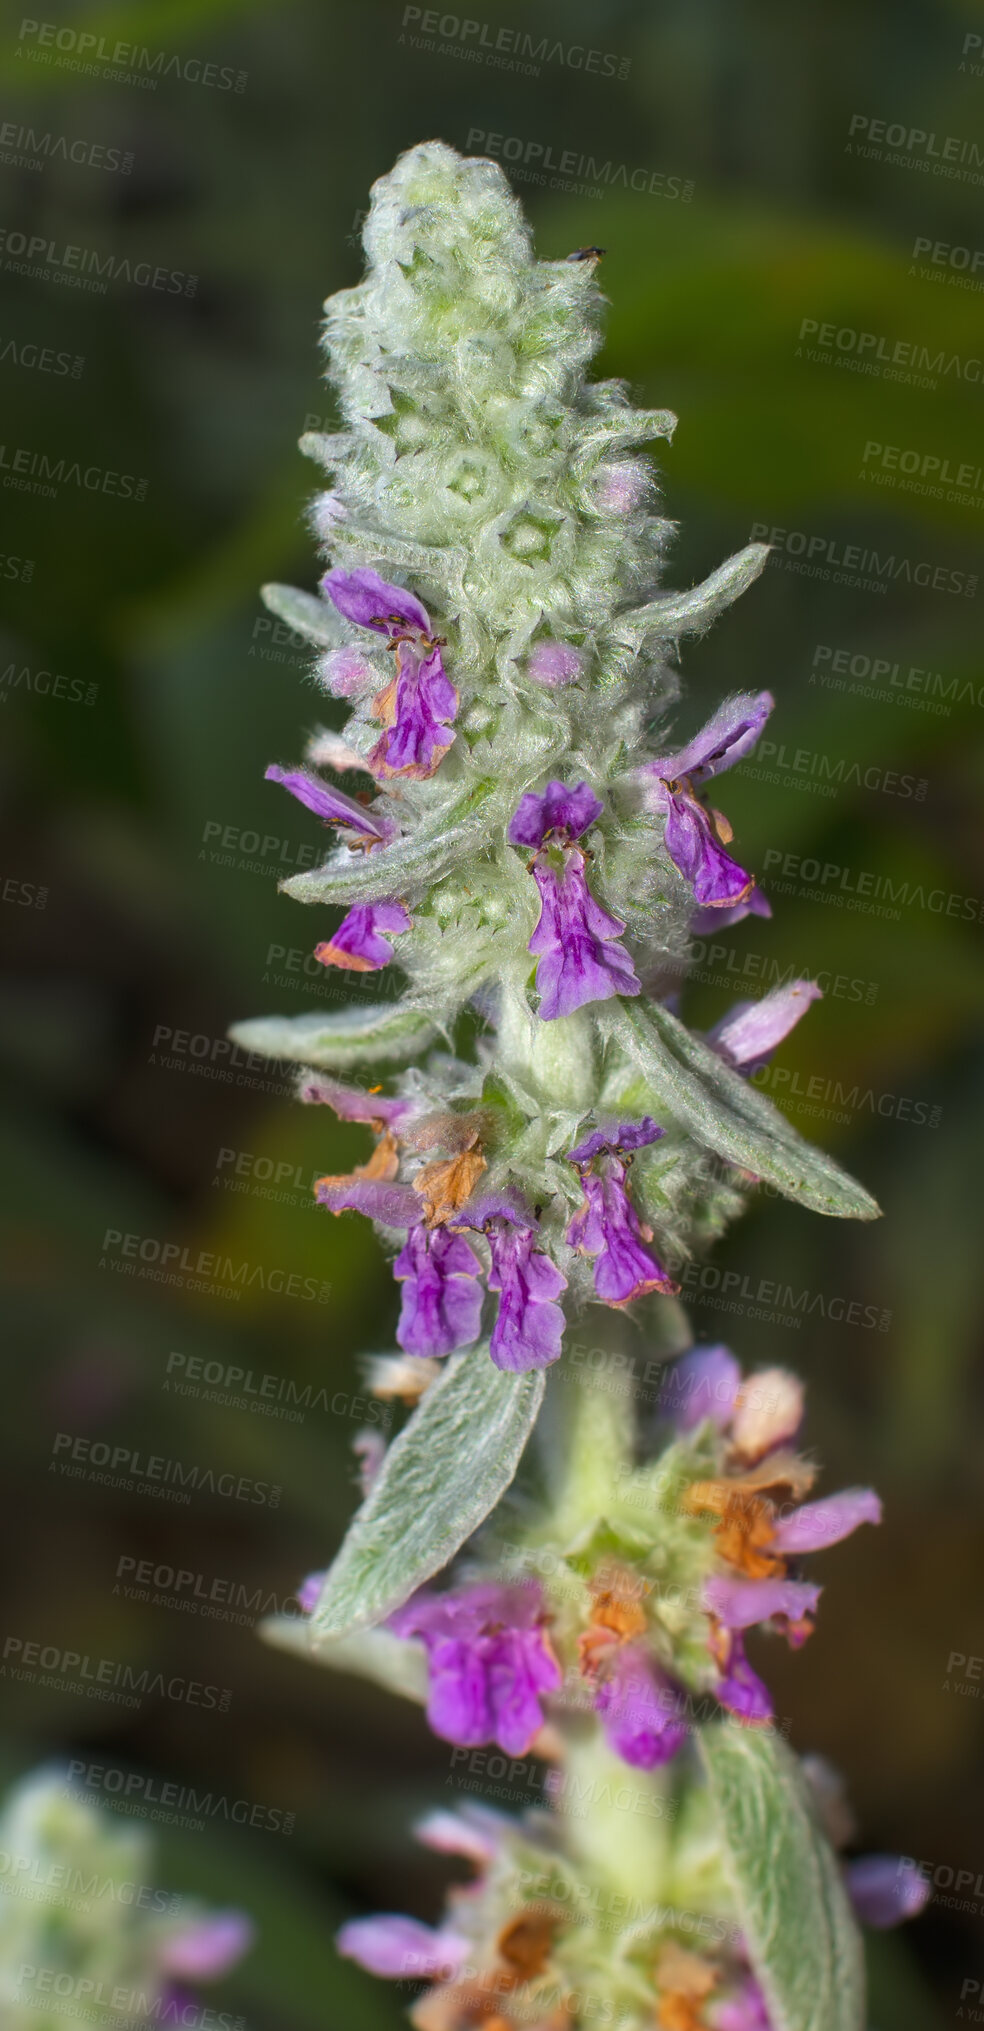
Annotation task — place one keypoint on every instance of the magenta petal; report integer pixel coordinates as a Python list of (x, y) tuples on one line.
[(744, 2011), (441, 1306), (475, 1832), (368, 600), (886, 1889), (576, 942), (393, 1945), (528, 1329), (702, 1384), (553, 664), (607, 1227), (556, 809), (741, 1690), (816, 1524), (489, 1663), (308, 1593), (351, 1104), (694, 848), (330, 804), (752, 1030), (392, 1205), (425, 700), (739, 1604), (755, 904), (616, 1135), (640, 1712), (208, 1947), (361, 941), (729, 735)]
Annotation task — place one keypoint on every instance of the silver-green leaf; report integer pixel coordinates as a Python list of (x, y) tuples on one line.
[(305, 613), (332, 1043), (412, 861), (804, 1944), (375, 1654), (438, 1482), (728, 1115)]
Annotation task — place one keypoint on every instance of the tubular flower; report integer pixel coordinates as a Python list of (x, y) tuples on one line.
[(761, 1520), (607, 1226), (441, 1306), (640, 1711), (362, 942), (747, 1036), (358, 826), (695, 837), (529, 1324), (576, 942), (417, 706), (490, 1663)]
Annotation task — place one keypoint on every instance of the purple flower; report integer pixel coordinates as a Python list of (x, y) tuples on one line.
[(553, 664), (740, 1689), (755, 904), (607, 1226), (417, 706), (740, 1603), (441, 1306), (702, 1384), (308, 1593), (360, 944), (346, 672), (695, 838), (392, 1205), (475, 1832), (357, 825), (350, 1104), (390, 1944), (639, 1708), (575, 940), (744, 2011), (814, 1525), (528, 1329), (207, 1947), (747, 1036), (490, 1663), (885, 1889)]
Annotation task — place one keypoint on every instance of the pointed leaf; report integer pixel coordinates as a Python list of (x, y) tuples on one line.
[(396, 1664), (415, 858), (689, 613), (305, 613), (803, 1942), (331, 1043), (724, 1112), (437, 1483)]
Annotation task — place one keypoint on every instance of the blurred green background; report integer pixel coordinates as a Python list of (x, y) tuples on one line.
[(133, 798)]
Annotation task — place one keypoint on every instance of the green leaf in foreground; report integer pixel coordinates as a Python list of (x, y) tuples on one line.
[(802, 1938), (437, 1483), (728, 1115), (355, 1036), (384, 1659)]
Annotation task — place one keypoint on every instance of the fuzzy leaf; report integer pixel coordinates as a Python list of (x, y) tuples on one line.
[(376, 1654), (331, 1043), (804, 1945), (305, 613), (437, 1483), (724, 1112), (420, 857), (689, 613)]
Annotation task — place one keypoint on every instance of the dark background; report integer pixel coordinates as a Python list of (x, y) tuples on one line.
[(153, 921)]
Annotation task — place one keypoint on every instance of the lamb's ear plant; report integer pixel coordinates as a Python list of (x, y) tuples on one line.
[(525, 833)]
